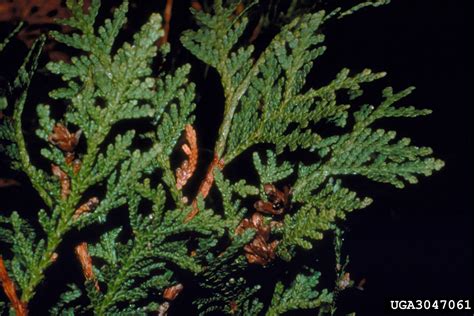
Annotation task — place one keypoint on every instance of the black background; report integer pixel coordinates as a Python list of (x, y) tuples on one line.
[(410, 243), (416, 243)]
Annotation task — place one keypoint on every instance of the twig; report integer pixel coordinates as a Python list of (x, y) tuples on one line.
[(21, 309), (256, 31), (167, 18), (8, 182), (207, 182), (63, 180), (206, 185)]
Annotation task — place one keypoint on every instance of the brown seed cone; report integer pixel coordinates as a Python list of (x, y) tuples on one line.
[(65, 140), (172, 292)]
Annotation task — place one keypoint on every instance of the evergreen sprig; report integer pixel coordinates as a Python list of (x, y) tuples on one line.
[(265, 100), (141, 267), (104, 85), (301, 294), (224, 288), (28, 249), (232, 195), (268, 101)]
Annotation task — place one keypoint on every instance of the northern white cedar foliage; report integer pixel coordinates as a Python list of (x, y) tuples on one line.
[(267, 101)]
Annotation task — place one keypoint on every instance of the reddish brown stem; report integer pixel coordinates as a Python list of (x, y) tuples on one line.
[(21, 308), (206, 185), (256, 31), (86, 263), (8, 182), (167, 18), (187, 168), (196, 5), (207, 182), (63, 180)]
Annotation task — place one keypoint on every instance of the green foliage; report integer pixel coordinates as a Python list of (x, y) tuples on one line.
[(316, 216), (373, 3), (22, 239), (271, 172), (268, 101), (222, 286), (3, 44), (265, 100), (14, 146), (232, 195), (6, 40), (105, 86), (60, 308), (14, 230), (301, 294)]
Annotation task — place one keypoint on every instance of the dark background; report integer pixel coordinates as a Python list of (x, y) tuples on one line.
[(417, 242), (414, 243)]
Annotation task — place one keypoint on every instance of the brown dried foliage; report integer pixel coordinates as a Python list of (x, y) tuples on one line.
[(196, 5), (234, 307), (86, 263), (63, 180), (90, 205), (167, 19), (344, 281), (163, 309), (260, 250), (239, 8), (187, 168), (76, 166), (206, 185), (21, 309), (172, 292), (65, 140)]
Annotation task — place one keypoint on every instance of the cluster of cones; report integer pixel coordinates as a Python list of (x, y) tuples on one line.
[(261, 250), (67, 142)]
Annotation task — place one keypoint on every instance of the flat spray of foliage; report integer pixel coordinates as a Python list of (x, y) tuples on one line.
[(267, 101)]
